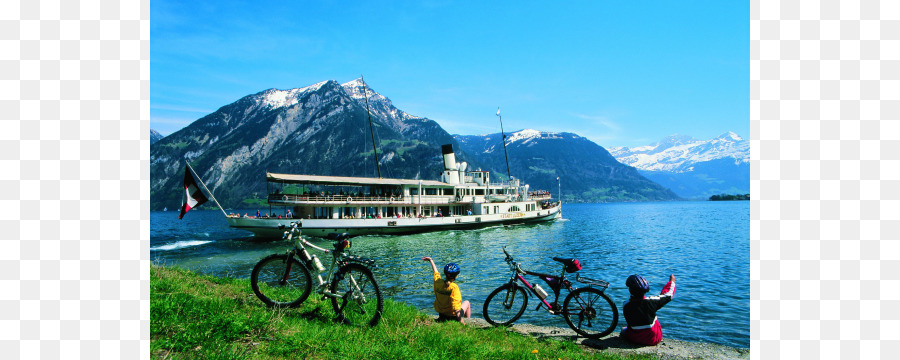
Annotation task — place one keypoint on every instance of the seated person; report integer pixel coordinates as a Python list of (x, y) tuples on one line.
[(640, 311), (447, 298)]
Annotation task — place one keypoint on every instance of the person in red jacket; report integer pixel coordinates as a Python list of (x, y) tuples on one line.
[(640, 310)]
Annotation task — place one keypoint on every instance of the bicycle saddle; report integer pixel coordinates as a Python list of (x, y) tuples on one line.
[(565, 261)]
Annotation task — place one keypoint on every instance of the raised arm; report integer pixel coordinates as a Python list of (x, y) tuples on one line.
[(433, 266)]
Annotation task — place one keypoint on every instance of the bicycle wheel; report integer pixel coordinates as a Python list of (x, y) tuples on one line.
[(507, 307), (590, 312), (360, 301), (280, 285)]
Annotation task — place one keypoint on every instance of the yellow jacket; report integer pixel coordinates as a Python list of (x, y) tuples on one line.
[(447, 299)]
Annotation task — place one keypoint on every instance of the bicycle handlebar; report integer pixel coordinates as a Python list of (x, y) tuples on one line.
[(289, 234), (512, 263)]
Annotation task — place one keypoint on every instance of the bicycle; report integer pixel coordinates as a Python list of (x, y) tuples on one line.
[(587, 310), (285, 280)]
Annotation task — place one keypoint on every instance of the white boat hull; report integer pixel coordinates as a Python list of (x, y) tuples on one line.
[(274, 228)]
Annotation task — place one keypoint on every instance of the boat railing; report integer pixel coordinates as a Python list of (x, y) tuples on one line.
[(279, 198)]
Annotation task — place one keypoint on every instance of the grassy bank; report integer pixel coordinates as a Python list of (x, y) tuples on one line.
[(194, 316)]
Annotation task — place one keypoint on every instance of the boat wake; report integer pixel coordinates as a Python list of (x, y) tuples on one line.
[(179, 245)]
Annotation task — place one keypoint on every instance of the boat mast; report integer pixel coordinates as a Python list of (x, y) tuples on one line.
[(509, 177), (372, 129)]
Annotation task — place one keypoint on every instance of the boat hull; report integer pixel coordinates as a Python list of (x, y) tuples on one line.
[(269, 228)]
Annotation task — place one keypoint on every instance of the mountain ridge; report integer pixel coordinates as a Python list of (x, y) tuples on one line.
[(323, 129), (694, 169), (590, 173)]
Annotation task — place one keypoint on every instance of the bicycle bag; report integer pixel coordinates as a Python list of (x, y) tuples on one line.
[(573, 266)]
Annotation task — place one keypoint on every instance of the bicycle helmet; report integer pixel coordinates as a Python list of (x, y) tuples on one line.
[(637, 285), (451, 269)]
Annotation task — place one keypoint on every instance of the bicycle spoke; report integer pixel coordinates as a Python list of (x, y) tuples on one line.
[(505, 305), (280, 281), (596, 315), (360, 301)]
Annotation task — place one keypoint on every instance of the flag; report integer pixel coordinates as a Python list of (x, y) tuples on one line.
[(193, 196), (498, 111)]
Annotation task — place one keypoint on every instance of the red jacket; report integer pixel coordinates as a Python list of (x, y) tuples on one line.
[(640, 314)]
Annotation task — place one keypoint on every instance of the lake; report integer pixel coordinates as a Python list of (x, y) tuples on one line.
[(705, 244)]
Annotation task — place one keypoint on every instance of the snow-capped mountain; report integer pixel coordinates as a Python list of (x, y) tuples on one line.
[(319, 129), (586, 171), (693, 168), (679, 153), (323, 129), (155, 136)]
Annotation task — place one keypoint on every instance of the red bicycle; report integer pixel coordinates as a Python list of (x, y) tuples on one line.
[(587, 310)]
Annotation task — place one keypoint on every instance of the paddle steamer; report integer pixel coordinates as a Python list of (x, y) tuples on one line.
[(461, 199)]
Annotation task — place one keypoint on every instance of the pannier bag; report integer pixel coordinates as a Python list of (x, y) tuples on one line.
[(573, 266)]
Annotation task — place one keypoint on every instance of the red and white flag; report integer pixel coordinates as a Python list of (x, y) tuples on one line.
[(194, 197)]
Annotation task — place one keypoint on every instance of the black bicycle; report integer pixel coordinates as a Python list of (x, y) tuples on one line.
[(587, 310), (285, 280)]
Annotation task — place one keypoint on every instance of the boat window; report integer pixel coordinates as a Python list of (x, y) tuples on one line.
[(414, 191), (479, 191), (514, 208), (430, 191), (448, 191)]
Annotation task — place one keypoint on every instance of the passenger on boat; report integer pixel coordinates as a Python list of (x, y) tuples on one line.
[(640, 311), (447, 297), (289, 214)]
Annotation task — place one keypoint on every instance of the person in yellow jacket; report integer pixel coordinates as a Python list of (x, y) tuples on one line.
[(447, 298)]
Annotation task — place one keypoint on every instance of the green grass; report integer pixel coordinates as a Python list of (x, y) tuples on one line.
[(203, 317)]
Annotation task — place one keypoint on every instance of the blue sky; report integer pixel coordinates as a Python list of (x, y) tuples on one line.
[(618, 73)]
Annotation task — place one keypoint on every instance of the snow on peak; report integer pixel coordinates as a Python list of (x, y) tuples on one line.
[(275, 98), (730, 136), (358, 89), (524, 135), (677, 153)]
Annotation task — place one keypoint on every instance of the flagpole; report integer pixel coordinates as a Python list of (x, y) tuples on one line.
[(207, 189), (509, 177)]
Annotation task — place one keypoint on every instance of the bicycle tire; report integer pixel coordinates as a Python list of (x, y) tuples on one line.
[(495, 309), (355, 306), (594, 307), (270, 286)]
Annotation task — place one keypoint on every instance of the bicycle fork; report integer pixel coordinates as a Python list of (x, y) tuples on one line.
[(510, 296)]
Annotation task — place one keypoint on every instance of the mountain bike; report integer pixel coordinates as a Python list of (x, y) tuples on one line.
[(587, 310), (286, 280)]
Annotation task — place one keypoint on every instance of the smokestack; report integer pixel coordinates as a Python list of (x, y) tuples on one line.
[(449, 157)]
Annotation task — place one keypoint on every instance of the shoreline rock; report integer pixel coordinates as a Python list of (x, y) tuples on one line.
[(667, 349)]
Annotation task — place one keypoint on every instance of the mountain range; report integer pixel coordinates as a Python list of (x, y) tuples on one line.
[(586, 171), (693, 169), (323, 129)]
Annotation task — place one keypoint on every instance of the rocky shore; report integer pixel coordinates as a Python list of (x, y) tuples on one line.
[(667, 349)]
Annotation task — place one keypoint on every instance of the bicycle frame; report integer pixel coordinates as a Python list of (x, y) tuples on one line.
[(339, 258), (563, 283), (581, 307)]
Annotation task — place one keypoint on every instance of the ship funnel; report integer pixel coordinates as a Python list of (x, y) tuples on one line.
[(449, 157)]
